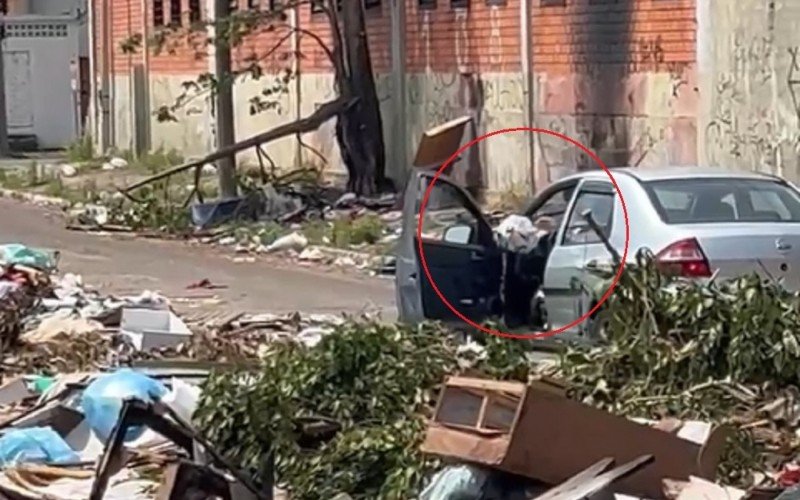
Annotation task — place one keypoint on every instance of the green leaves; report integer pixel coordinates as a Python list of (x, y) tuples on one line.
[(376, 381), (685, 349)]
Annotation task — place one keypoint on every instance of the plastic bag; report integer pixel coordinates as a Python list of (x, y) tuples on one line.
[(102, 400), (457, 482), (517, 234), (183, 399), (26, 256), (35, 444)]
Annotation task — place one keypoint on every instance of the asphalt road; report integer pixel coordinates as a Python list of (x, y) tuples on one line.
[(130, 265)]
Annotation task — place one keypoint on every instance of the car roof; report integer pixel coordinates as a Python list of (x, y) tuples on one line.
[(665, 173)]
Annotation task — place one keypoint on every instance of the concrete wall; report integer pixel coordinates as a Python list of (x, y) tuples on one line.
[(617, 76), (751, 77)]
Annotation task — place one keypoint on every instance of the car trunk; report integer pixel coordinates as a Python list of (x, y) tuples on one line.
[(771, 250)]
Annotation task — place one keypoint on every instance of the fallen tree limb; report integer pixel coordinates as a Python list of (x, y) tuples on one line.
[(310, 123)]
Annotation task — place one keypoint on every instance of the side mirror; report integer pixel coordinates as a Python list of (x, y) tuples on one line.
[(460, 234)]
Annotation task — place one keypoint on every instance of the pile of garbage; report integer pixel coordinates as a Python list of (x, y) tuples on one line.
[(98, 391), (691, 395), (24, 279), (725, 352), (310, 226)]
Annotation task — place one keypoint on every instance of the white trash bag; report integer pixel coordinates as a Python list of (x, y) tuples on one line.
[(517, 234)]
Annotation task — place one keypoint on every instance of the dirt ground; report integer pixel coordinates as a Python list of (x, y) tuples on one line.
[(129, 265)]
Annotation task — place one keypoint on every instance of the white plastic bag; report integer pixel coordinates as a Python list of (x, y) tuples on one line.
[(517, 234), (182, 399)]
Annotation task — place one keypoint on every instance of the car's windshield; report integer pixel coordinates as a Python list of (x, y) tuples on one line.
[(720, 200)]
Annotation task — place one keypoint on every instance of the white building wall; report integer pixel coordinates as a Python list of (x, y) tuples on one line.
[(38, 53)]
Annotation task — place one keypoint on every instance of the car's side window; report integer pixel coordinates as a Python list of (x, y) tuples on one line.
[(552, 211), (601, 204), (446, 217)]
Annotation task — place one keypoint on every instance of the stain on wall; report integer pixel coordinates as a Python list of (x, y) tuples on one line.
[(618, 76)]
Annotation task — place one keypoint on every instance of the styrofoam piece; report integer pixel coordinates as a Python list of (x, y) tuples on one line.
[(153, 328)]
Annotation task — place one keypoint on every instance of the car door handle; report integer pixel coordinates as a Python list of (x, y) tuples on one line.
[(477, 255)]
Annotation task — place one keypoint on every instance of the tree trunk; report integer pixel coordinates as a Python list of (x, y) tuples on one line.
[(360, 129), (226, 167)]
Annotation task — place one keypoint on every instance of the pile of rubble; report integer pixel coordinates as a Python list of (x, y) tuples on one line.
[(121, 397), (72, 359), (309, 227)]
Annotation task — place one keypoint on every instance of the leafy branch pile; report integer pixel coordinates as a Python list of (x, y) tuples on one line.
[(372, 383), (725, 352), (153, 209)]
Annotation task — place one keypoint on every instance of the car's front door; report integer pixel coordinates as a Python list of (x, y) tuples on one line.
[(568, 279), (461, 255)]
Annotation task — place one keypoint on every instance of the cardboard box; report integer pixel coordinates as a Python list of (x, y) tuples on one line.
[(535, 431)]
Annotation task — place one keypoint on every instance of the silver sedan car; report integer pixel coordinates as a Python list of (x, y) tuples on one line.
[(698, 221)]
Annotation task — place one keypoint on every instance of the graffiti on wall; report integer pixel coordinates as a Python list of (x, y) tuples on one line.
[(503, 98), (642, 140), (793, 79), (743, 128), (639, 55)]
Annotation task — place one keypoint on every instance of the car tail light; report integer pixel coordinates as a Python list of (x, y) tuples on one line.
[(684, 258)]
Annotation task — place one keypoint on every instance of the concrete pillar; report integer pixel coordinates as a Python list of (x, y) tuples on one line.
[(398, 167), (705, 74)]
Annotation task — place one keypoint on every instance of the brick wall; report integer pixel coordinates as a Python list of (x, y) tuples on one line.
[(641, 35), (579, 37), (481, 40)]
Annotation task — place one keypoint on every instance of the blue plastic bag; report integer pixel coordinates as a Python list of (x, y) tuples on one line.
[(102, 400), (35, 444), (32, 257)]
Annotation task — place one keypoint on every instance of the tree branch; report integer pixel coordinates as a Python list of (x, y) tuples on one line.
[(310, 123)]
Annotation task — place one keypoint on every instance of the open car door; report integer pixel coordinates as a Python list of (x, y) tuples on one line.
[(462, 256)]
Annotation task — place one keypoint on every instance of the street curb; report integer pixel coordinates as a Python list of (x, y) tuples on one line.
[(37, 199)]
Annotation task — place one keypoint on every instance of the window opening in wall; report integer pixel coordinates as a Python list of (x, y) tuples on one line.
[(369, 4), (253, 4), (317, 6), (4, 7), (174, 12), (427, 4), (234, 5), (496, 3), (195, 14), (158, 12), (554, 3), (459, 4)]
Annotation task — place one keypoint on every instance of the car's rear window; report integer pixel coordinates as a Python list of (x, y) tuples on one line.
[(695, 201)]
